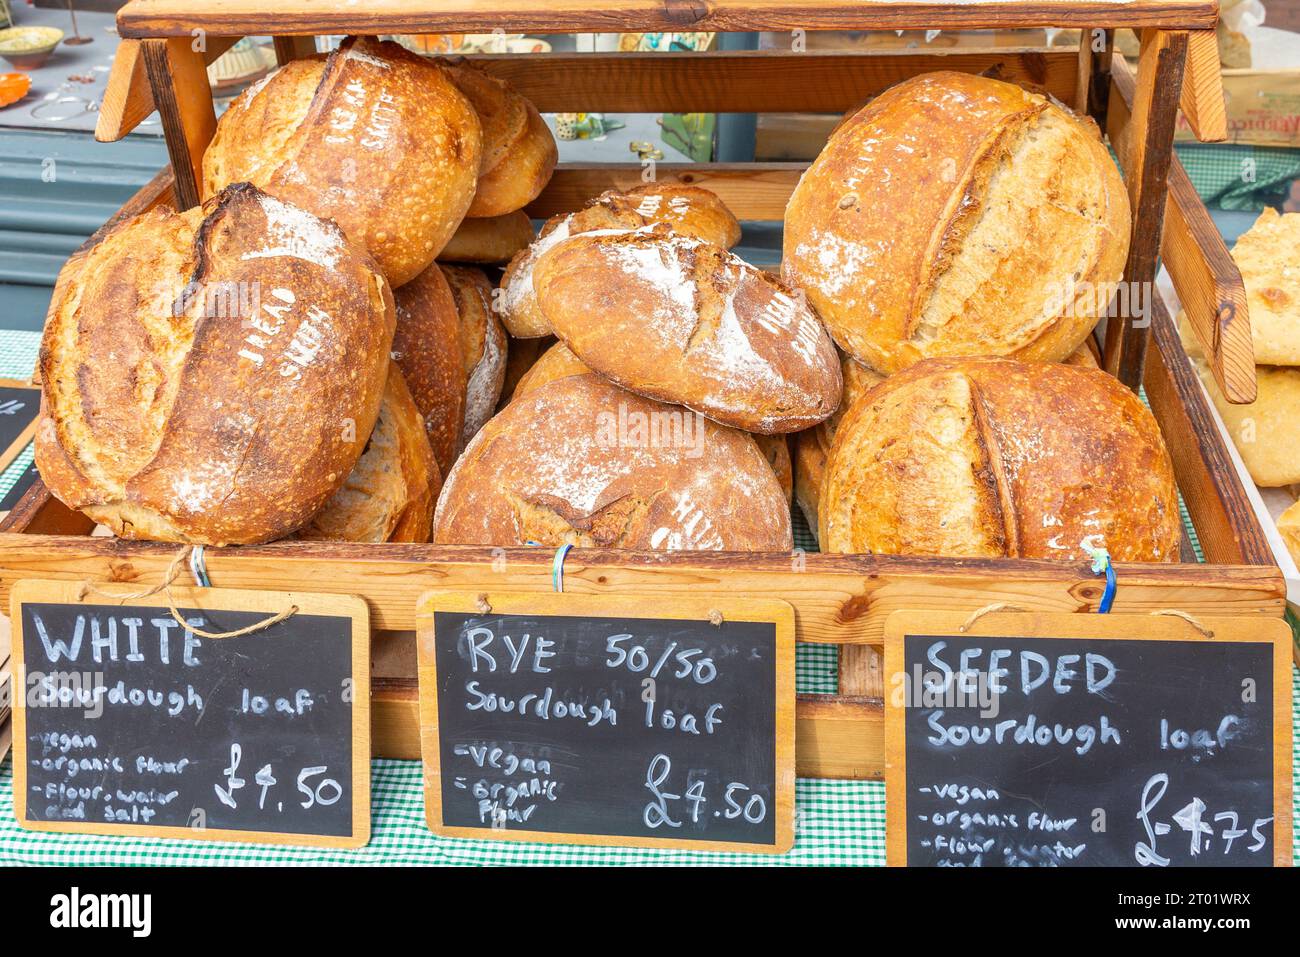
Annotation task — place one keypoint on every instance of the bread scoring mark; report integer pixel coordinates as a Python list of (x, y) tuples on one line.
[(368, 58), (291, 231), (246, 98)]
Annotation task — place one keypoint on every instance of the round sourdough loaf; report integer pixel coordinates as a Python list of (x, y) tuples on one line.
[(970, 458), (483, 345), (581, 461), (681, 320), (427, 349), (374, 137), (519, 152), (688, 210), (390, 493), (489, 241), (958, 215), (211, 376)]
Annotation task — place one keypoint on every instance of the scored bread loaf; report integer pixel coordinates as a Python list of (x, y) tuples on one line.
[(989, 457), (427, 348), (390, 493), (487, 241), (1267, 255), (373, 137), (688, 210), (581, 461), (558, 362), (483, 345), (677, 319), (519, 152), (1267, 431), (958, 215), (211, 376)]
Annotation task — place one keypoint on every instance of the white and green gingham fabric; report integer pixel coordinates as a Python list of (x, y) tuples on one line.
[(836, 822)]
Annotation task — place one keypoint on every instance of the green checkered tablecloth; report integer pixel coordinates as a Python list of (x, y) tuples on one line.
[(836, 822), (1239, 177)]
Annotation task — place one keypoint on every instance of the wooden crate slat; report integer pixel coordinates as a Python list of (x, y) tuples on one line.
[(760, 81), (157, 18)]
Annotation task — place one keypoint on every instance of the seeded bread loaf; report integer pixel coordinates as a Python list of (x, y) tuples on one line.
[(958, 215), (427, 349), (688, 210), (374, 137), (488, 241), (971, 458), (211, 376), (483, 345), (581, 461), (390, 493), (680, 320)]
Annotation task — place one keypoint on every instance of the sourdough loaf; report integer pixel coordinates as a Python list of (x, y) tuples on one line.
[(374, 137), (958, 215), (677, 319), (519, 152), (688, 210), (581, 461), (211, 376), (427, 349), (390, 493), (483, 345), (486, 241), (990, 457)]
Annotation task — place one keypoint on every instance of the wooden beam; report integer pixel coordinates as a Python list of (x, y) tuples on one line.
[(1202, 96), (1148, 150), (293, 48), (160, 18), (179, 80), (127, 99)]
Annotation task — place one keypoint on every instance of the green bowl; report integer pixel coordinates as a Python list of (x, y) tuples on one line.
[(27, 48)]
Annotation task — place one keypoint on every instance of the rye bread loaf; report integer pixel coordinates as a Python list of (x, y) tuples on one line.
[(390, 493), (374, 137), (519, 152), (581, 461), (427, 349), (989, 457), (483, 345), (211, 376), (489, 241), (958, 215), (680, 320), (688, 210)]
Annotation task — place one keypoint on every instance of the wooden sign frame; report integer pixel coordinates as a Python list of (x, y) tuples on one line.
[(30, 591), (609, 606), (1116, 627), (10, 452)]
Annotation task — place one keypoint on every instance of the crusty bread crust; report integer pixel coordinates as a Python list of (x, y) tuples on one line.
[(376, 138), (992, 457), (523, 171), (180, 361), (489, 241), (958, 215), (581, 461), (390, 493), (483, 345), (684, 321), (688, 210), (427, 349), (556, 362)]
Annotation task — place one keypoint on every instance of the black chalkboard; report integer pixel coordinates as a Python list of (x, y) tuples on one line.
[(21, 484), (127, 722), (1114, 750), (19, 406), (611, 722)]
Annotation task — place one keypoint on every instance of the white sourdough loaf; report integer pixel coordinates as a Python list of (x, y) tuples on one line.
[(581, 461), (677, 319), (211, 376), (958, 215), (376, 138)]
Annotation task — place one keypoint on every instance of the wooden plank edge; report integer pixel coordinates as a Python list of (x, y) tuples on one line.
[(1202, 99)]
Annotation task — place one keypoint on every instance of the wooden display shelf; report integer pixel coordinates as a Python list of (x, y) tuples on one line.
[(838, 599)]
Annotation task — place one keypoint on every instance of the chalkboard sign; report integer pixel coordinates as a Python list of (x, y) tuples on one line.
[(608, 720), (127, 723), (19, 488), (1087, 740), (20, 404)]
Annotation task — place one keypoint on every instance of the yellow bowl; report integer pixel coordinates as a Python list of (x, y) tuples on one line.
[(27, 48)]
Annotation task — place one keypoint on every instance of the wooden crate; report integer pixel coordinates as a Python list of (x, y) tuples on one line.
[(838, 599)]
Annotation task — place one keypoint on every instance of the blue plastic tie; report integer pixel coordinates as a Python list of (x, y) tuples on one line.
[(557, 567), (197, 567), (1101, 563)]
